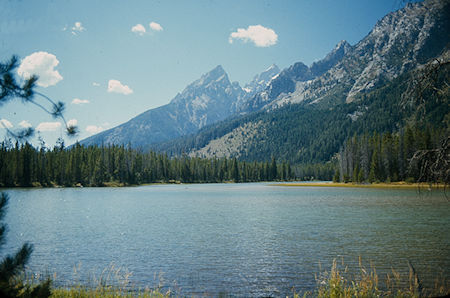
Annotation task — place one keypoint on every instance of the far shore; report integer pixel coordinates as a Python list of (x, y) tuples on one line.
[(402, 185), (398, 185)]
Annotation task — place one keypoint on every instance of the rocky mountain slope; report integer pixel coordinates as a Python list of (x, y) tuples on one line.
[(306, 134), (399, 42), (209, 99), (285, 83), (261, 81), (302, 114), (305, 113)]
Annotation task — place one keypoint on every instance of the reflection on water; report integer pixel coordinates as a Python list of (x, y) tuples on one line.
[(243, 239)]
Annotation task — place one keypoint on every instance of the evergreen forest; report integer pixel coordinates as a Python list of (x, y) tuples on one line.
[(23, 165), (388, 157)]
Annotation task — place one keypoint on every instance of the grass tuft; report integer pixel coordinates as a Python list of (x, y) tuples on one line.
[(338, 283), (112, 282)]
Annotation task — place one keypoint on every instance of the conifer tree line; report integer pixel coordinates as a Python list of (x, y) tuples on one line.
[(315, 171), (24, 165), (386, 157)]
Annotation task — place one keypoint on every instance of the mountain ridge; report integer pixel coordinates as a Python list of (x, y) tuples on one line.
[(340, 83), (396, 44), (365, 87), (211, 98), (304, 134)]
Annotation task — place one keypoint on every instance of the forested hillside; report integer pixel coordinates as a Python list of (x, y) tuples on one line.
[(308, 133), (305, 114)]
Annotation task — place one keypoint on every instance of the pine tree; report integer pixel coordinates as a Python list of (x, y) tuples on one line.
[(337, 176), (360, 176), (364, 158), (273, 169), (10, 89), (12, 266), (374, 174), (235, 171), (289, 172)]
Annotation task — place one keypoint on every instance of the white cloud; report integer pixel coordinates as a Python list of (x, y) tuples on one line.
[(77, 101), (259, 35), (92, 129), (25, 124), (77, 27), (117, 87), (155, 26), (41, 64), (138, 29), (72, 122), (95, 84), (48, 126), (5, 123)]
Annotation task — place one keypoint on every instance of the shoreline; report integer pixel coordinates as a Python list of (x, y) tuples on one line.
[(114, 184), (399, 185)]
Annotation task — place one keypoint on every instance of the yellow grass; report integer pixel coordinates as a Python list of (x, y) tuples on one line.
[(333, 283), (366, 283), (401, 185), (113, 282)]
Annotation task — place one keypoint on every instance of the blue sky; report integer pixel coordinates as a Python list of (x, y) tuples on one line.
[(106, 73)]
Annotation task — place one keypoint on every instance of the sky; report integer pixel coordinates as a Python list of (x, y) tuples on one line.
[(111, 60)]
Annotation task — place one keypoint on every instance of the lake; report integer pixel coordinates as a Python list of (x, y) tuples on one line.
[(252, 239)]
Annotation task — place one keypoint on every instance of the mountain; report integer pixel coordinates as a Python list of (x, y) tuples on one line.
[(260, 81), (258, 84), (305, 134), (207, 100), (285, 83), (399, 42), (306, 113), (320, 67)]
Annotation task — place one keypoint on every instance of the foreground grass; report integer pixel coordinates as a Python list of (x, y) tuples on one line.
[(113, 282), (337, 282), (366, 283), (105, 291)]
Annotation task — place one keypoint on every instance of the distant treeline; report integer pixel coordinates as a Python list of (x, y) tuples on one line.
[(24, 165), (386, 157)]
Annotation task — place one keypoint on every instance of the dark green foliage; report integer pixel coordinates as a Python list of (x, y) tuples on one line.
[(9, 88), (12, 266), (390, 156), (23, 165), (316, 171), (235, 171), (336, 176)]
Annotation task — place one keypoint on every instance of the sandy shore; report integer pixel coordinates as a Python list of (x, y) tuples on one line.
[(373, 185)]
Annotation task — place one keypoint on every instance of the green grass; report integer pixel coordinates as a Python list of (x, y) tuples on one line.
[(336, 282), (105, 291), (366, 283), (112, 282)]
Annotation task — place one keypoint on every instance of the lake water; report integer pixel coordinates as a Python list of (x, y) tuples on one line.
[(242, 239)]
